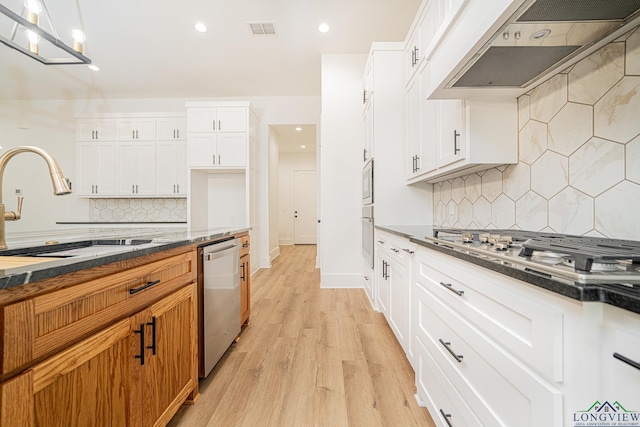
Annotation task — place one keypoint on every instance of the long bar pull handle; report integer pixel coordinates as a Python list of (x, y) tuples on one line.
[(450, 287), (174, 134), (446, 418), (178, 185), (143, 287), (178, 133), (141, 332), (153, 335), (409, 251), (456, 134), (242, 277), (133, 134), (626, 360), (447, 345), (219, 125)]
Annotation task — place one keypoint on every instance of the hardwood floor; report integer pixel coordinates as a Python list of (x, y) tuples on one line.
[(310, 357)]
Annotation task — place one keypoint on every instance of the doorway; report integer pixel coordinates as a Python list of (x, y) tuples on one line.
[(305, 211)]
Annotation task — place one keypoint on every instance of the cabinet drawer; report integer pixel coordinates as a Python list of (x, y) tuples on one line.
[(437, 392), (44, 324), (503, 308), (500, 390), (245, 246)]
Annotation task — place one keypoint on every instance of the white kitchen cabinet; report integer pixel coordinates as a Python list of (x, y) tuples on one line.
[(451, 131), (424, 34), (218, 119), (221, 150), (620, 349), (171, 168), (470, 136), (136, 168), (96, 169), (171, 129), (368, 132), (421, 130), (393, 270), (91, 129), (491, 348), (136, 129)]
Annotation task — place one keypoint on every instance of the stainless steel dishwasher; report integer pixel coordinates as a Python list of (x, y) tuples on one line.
[(218, 300)]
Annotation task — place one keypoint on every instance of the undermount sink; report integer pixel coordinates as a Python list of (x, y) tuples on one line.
[(83, 248)]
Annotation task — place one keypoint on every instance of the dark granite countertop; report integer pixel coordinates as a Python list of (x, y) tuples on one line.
[(154, 240), (617, 295)]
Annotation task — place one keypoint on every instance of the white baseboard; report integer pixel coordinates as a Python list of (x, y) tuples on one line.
[(285, 242), (341, 281), (419, 401), (274, 253)]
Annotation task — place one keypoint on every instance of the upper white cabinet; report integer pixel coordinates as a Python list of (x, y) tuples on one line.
[(422, 129), (95, 129), (136, 129), (221, 119), (217, 137), (125, 164), (171, 129)]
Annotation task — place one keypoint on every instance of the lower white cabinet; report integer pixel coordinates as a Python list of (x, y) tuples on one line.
[(621, 357), (393, 284)]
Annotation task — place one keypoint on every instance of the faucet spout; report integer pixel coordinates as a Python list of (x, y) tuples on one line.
[(58, 181)]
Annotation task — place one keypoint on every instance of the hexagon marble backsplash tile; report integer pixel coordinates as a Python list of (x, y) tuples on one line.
[(579, 161), (138, 210)]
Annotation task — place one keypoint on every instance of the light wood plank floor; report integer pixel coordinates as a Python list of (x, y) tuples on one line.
[(310, 357)]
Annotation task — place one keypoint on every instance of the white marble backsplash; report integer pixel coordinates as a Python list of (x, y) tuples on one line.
[(137, 210), (579, 156)]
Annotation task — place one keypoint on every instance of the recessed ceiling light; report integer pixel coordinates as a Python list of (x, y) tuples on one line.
[(303, 146), (200, 27), (298, 129), (94, 67), (323, 28)]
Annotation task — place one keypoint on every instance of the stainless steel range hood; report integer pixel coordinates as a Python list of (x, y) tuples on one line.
[(543, 35)]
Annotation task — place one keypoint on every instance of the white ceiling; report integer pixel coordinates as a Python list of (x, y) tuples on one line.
[(291, 140), (149, 49)]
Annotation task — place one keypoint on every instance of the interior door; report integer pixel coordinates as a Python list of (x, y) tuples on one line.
[(304, 204)]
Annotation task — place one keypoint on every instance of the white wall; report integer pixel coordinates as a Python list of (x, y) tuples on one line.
[(289, 163), (341, 170), (274, 195)]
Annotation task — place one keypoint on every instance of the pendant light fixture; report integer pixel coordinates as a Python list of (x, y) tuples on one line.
[(29, 21)]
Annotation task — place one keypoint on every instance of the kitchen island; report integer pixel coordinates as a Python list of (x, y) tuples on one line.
[(106, 335)]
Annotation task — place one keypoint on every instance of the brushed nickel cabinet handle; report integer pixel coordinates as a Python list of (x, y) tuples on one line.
[(447, 345), (449, 286)]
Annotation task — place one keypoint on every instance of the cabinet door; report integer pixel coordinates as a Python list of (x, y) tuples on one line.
[(451, 138), (88, 155), (169, 373), (181, 168), (145, 168), (171, 129), (368, 131), (107, 169), (232, 149), (136, 129), (95, 130), (126, 169), (232, 119), (202, 120), (413, 156), (431, 21), (88, 384), (201, 150), (398, 314), (166, 168), (383, 283), (245, 291), (411, 54)]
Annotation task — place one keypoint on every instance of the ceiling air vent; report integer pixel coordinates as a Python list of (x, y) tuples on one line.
[(262, 28)]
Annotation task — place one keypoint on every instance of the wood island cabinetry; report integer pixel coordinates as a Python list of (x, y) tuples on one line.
[(110, 345), (245, 280)]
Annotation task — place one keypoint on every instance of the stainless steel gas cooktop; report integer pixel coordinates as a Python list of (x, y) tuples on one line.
[(579, 259)]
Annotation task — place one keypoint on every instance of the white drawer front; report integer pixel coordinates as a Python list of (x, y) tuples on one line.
[(502, 307), (499, 389), (439, 394)]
